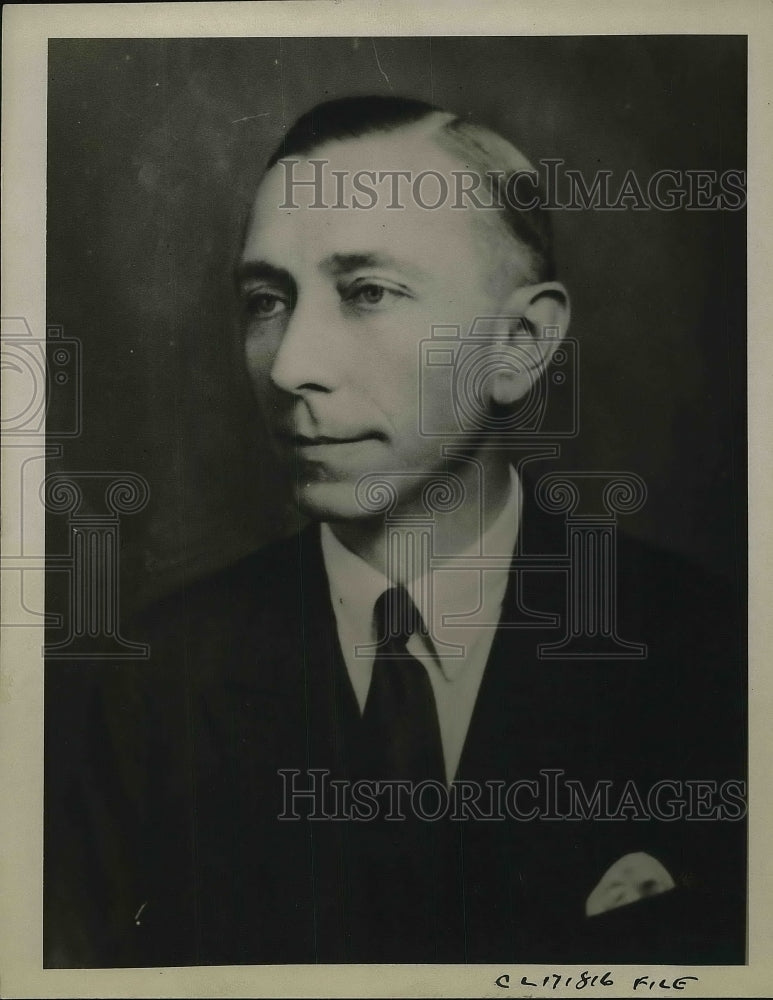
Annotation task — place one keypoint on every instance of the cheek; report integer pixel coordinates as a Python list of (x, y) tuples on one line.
[(259, 353), (417, 395)]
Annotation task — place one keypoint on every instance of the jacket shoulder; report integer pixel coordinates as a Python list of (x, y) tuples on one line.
[(265, 579)]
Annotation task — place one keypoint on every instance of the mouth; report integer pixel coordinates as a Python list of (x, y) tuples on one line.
[(306, 442)]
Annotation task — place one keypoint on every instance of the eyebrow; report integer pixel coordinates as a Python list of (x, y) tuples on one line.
[(256, 270), (336, 264), (345, 263)]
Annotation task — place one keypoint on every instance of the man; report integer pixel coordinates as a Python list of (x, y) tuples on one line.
[(257, 792)]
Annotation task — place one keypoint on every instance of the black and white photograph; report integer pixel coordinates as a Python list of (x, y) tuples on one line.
[(389, 427)]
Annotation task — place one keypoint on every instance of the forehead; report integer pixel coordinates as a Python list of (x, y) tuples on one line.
[(294, 236)]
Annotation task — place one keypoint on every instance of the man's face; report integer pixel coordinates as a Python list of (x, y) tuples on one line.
[(336, 302)]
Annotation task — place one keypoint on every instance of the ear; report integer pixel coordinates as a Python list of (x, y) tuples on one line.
[(537, 320)]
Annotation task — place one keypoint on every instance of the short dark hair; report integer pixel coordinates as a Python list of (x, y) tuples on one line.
[(349, 118), (355, 117)]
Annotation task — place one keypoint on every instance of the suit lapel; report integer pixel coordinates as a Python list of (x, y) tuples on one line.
[(332, 712), (508, 722)]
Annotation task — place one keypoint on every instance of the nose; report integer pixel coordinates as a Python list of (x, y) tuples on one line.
[(309, 355)]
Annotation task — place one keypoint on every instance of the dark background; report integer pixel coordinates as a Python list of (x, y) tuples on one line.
[(155, 148)]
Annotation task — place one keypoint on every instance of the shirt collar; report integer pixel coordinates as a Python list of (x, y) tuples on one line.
[(355, 586)]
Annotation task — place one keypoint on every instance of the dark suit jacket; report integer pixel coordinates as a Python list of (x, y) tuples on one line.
[(163, 845)]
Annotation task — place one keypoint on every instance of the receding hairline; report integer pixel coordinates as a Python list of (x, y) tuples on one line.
[(474, 147), (467, 142)]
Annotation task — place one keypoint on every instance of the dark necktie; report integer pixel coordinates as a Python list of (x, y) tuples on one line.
[(400, 730), (398, 869)]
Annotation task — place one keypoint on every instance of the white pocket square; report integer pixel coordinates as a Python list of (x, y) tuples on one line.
[(631, 878)]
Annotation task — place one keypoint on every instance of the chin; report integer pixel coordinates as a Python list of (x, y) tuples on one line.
[(330, 501), (372, 496)]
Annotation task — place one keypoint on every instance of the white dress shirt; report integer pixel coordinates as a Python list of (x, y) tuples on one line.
[(455, 652)]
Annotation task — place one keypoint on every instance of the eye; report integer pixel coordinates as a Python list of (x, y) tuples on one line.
[(371, 294), (264, 305)]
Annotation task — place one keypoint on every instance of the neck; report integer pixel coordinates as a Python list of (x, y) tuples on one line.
[(485, 482)]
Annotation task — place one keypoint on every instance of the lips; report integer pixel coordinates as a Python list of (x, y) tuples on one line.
[(300, 440), (319, 440)]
